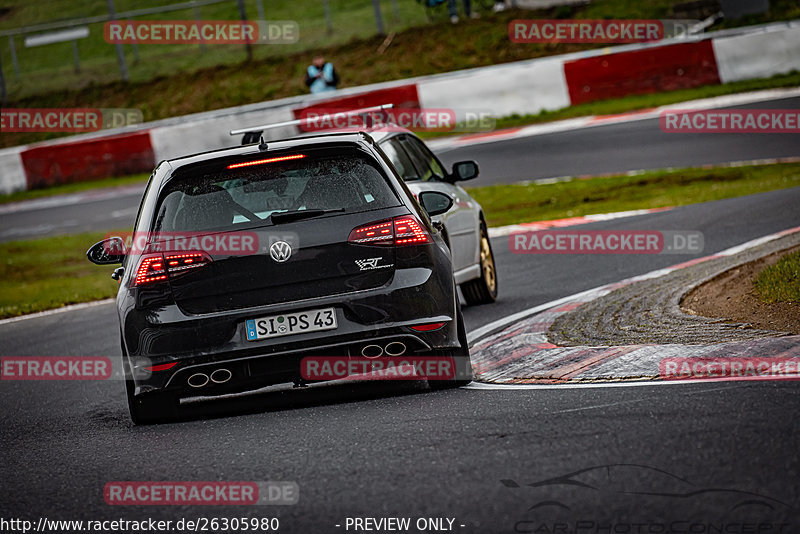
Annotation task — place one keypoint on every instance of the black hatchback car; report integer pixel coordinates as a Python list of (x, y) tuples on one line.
[(247, 260)]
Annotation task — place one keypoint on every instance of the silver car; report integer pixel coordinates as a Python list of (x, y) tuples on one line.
[(463, 224)]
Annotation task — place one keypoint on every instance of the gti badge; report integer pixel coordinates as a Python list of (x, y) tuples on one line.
[(370, 263), (280, 251)]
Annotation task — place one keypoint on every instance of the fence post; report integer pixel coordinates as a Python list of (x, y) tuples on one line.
[(197, 18), (123, 67), (395, 11), (77, 57), (260, 10), (135, 46), (2, 85), (328, 21), (14, 60), (376, 4), (243, 15)]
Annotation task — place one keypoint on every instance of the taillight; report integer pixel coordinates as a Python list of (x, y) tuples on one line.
[(158, 267), (190, 260), (151, 269), (162, 367), (428, 327), (409, 231), (405, 230)]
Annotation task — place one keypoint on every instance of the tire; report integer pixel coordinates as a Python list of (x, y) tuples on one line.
[(483, 290), (152, 408), (460, 358)]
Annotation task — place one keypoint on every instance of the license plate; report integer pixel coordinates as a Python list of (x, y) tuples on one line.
[(291, 323)]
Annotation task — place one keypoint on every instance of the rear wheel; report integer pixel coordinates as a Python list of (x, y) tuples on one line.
[(157, 407), (460, 358), (483, 290)]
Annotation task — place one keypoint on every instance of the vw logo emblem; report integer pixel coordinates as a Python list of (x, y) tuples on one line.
[(280, 251)]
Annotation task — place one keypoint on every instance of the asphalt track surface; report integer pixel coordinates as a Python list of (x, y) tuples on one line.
[(652, 458), (614, 148), (604, 149)]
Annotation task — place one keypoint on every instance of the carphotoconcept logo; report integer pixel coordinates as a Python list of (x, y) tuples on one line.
[(204, 31), (72, 120), (731, 121), (597, 31), (606, 242)]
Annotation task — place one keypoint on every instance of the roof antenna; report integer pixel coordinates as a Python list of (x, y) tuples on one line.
[(262, 144)]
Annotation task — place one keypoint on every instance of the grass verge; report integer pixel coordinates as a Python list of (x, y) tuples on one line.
[(53, 272), (516, 203), (49, 273), (75, 188), (780, 282)]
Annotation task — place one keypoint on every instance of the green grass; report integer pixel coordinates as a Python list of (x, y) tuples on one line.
[(780, 282), (74, 188), (52, 65), (49, 273), (516, 203)]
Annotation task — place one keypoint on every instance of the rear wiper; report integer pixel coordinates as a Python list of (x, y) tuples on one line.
[(296, 215)]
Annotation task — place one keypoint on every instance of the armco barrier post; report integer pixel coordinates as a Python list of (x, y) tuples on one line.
[(328, 22), (243, 15), (123, 67), (2, 85), (376, 4)]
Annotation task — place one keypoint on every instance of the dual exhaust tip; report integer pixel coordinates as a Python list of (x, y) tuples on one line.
[(222, 375), (395, 348), (218, 376)]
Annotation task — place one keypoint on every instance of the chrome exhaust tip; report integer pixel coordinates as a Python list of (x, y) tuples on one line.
[(198, 380), (220, 376), (372, 351), (395, 348)]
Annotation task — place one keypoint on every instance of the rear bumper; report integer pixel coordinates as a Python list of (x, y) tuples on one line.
[(204, 343)]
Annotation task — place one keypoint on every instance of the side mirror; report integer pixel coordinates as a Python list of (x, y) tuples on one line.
[(464, 170), (107, 251), (435, 203)]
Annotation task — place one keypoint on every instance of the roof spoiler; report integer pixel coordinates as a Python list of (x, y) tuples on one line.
[(252, 134)]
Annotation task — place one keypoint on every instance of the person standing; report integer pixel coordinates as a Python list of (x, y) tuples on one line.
[(452, 8), (321, 76)]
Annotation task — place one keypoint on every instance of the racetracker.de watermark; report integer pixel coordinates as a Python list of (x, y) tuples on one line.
[(183, 493), (55, 368), (201, 31), (398, 119), (233, 243), (607, 242), (378, 368), (597, 31), (73, 120), (731, 121), (729, 368)]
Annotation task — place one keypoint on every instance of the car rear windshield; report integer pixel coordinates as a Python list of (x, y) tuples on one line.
[(341, 181)]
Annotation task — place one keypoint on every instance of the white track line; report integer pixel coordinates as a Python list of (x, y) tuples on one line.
[(620, 384), (72, 307)]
